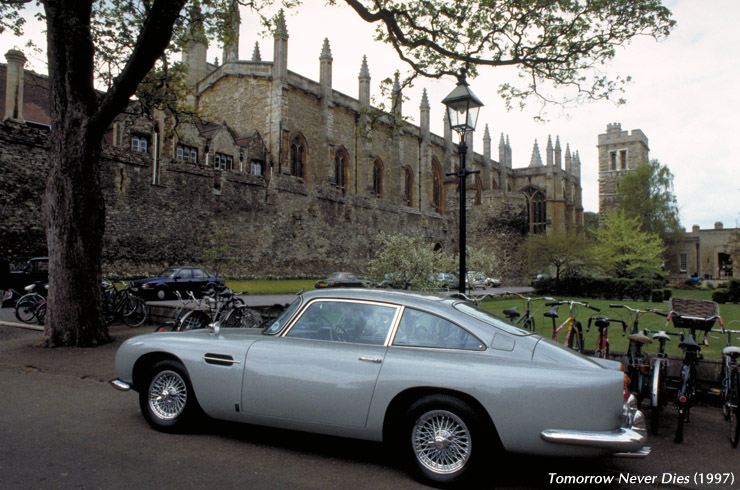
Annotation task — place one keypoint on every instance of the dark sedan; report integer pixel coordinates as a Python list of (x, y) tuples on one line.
[(342, 280), (182, 279)]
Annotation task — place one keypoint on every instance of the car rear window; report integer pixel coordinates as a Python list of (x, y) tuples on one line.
[(489, 318)]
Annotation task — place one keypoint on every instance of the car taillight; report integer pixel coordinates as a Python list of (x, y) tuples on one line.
[(682, 399), (626, 387)]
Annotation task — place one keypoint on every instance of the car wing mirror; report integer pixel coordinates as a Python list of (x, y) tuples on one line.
[(214, 328)]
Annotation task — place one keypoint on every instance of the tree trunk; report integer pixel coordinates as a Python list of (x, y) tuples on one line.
[(73, 204)]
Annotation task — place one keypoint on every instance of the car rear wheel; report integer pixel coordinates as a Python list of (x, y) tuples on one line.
[(440, 431), (168, 402)]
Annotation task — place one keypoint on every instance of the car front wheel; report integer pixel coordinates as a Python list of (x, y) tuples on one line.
[(441, 430), (168, 402)]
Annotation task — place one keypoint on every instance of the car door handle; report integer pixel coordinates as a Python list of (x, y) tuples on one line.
[(371, 359)]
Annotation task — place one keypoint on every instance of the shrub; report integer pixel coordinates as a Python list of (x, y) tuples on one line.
[(667, 294), (656, 296), (720, 296), (733, 291)]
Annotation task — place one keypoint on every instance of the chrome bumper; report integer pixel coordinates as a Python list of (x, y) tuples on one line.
[(627, 441), (120, 385)]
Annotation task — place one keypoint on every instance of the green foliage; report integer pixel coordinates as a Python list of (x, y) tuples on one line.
[(646, 193), (590, 224), (408, 260), (720, 296), (599, 287), (567, 254), (219, 257), (625, 250)]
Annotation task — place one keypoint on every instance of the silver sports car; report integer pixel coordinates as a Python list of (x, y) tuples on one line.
[(438, 378)]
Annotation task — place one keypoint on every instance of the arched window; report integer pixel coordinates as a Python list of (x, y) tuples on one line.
[(437, 182), (298, 157), (408, 186), (377, 178), (478, 189), (341, 167), (536, 211)]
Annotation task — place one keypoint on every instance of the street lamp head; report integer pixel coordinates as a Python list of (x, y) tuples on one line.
[(462, 107)]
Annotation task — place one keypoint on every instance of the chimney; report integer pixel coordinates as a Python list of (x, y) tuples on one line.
[(695, 229), (14, 85), (718, 225)]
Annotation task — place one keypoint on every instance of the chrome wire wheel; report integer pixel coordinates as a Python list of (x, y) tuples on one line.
[(168, 395), (441, 442)]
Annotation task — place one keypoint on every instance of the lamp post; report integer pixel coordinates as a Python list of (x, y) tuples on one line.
[(462, 112)]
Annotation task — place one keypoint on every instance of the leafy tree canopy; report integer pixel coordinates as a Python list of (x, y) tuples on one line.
[(552, 42), (568, 254), (625, 250), (646, 193)]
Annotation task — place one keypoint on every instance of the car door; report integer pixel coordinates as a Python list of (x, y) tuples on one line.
[(323, 370)]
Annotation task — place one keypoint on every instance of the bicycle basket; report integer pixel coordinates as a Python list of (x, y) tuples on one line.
[(693, 313)]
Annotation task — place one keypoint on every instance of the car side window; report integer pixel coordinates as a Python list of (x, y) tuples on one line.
[(422, 329), (198, 274), (184, 274), (341, 321)]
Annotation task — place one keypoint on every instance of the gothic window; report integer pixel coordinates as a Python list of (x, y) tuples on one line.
[(437, 188), (223, 162), (408, 186), (536, 211), (186, 154), (298, 157), (139, 143), (378, 178), (341, 167)]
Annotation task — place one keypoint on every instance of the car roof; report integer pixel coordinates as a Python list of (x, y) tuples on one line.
[(409, 298)]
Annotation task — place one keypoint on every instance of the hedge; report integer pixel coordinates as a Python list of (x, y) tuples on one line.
[(600, 287)]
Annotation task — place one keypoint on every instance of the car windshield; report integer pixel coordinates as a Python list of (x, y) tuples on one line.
[(490, 318), (282, 319)]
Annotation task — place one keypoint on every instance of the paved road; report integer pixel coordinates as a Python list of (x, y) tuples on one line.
[(62, 426)]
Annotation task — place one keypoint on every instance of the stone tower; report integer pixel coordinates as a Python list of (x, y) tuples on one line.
[(619, 152)]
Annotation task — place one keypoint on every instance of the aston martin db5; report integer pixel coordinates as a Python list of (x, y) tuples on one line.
[(439, 379)]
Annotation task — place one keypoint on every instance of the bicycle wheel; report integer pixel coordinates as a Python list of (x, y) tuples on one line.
[(134, 312), (734, 406), (41, 313), (193, 320), (725, 382), (25, 308), (657, 391)]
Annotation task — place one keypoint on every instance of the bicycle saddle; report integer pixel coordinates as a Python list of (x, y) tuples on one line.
[(689, 344), (731, 351), (601, 323), (552, 313), (639, 337), (662, 336), (511, 313)]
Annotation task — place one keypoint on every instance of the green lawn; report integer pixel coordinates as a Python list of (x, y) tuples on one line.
[(271, 286), (543, 325)]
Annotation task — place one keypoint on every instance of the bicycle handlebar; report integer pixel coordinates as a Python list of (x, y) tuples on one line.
[(564, 302), (528, 298), (638, 311)]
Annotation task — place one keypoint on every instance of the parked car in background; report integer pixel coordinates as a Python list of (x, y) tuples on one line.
[(342, 280), (445, 382), (36, 270), (182, 279)]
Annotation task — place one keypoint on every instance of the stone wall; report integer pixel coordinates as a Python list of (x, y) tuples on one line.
[(276, 228)]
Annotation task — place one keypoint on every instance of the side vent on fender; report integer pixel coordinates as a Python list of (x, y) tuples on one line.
[(219, 359)]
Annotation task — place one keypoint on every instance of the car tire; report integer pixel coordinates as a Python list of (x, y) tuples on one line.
[(440, 432), (167, 400)]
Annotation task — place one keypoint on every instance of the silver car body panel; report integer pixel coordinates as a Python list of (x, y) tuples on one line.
[(537, 393)]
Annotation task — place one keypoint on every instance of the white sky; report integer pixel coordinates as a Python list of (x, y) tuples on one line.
[(684, 97)]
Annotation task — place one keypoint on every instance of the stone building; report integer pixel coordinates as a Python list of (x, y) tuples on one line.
[(700, 253), (298, 178), (619, 152)]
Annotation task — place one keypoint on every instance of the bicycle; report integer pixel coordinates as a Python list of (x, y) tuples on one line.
[(524, 320), (658, 385), (26, 308), (602, 343), (121, 304), (210, 310), (183, 307), (574, 335), (691, 314), (730, 385), (638, 362)]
